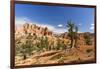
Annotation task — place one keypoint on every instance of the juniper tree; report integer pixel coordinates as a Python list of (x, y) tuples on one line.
[(70, 26), (72, 33)]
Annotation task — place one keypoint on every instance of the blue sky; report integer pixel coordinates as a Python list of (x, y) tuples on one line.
[(55, 17)]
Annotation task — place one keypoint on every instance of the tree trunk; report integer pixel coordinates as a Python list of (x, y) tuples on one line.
[(24, 57), (71, 42), (75, 43)]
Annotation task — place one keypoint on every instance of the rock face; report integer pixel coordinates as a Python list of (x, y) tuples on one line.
[(33, 30), (21, 33)]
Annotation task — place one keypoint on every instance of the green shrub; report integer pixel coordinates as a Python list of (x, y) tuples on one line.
[(88, 40), (89, 50)]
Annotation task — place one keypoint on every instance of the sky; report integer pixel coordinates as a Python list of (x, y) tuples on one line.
[(55, 17)]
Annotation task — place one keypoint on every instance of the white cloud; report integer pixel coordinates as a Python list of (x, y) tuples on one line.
[(60, 25), (79, 32), (60, 30), (80, 24), (23, 20), (92, 27), (92, 24)]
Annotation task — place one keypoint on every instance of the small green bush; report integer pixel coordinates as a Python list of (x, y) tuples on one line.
[(89, 50), (87, 39)]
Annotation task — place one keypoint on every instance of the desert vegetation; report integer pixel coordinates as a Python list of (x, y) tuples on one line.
[(37, 45)]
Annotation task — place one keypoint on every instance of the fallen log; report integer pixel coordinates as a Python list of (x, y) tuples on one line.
[(47, 53)]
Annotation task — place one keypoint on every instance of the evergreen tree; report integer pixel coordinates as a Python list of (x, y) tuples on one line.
[(71, 27)]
